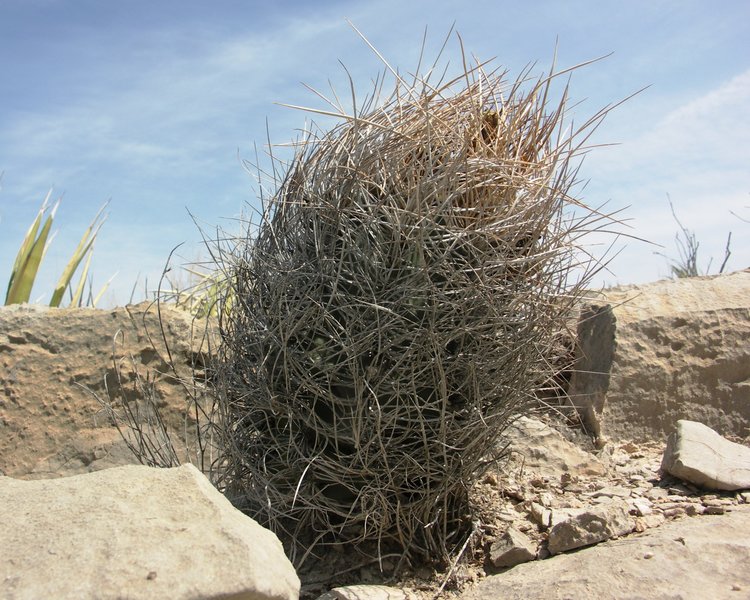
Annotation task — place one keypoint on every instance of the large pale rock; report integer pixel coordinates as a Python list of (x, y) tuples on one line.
[(652, 354), (135, 532), (365, 592), (696, 453), (590, 526), (689, 559), (50, 425), (544, 451)]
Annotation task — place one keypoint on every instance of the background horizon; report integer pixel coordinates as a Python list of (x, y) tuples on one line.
[(159, 105)]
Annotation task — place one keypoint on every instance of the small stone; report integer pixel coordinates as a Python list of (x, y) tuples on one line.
[(652, 521), (682, 499), (648, 555), (591, 526), (541, 514), (513, 548), (715, 510), (715, 501), (614, 491), (670, 505), (491, 479), (736, 588), (693, 510), (656, 493), (524, 527), (678, 491), (546, 499), (506, 516), (745, 497), (674, 513), (642, 507), (365, 592)]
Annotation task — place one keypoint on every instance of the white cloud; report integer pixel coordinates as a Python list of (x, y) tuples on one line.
[(159, 130), (699, 155)]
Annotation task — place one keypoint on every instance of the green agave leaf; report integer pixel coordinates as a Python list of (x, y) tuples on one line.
[(30, 256), (83, 248), (102, 291), (78, 294)]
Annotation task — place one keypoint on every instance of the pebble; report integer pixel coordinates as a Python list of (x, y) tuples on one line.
[(656, 493), (715, 510), (642, 507), (614, 491)]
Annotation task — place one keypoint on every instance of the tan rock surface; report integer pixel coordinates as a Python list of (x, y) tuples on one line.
[(690, 559), (681, 352), (135, 532), (698, 454), (590, 526), (49, 424), (543, 450)]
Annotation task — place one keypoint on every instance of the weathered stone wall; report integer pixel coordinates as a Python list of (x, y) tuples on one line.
[(53, 361), (653, 354)]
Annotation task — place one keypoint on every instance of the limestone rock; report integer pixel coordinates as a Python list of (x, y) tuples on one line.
[(590, 526), (365, 592), (696, 453), (652, 354), (513, 548), (691, 559), (51, 360), (135, 532), (545, 451)]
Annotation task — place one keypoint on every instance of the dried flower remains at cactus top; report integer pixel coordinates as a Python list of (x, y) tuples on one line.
[(401, 301)]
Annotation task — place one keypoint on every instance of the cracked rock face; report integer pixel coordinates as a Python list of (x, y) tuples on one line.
[(650, 355), (53, 362)]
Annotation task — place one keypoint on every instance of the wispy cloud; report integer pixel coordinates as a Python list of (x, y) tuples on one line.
[(158, 117), (699, 156)]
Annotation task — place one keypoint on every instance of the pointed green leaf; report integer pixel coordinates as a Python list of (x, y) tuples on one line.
[(83, 248), (29, 258)]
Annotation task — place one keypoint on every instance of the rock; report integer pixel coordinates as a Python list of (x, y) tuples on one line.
[(649, 521), (541, 514), (594, 354), (513, 548), (135, 532), (365, 592), (541, 449), (696, 453), (679, 351), (641, 507), (52, 361), (590, 526), (690, 559)]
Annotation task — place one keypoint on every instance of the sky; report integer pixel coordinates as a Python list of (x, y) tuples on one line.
[(157, 107)]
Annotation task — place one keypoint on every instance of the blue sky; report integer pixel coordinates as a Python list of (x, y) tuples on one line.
[(156, 104)]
